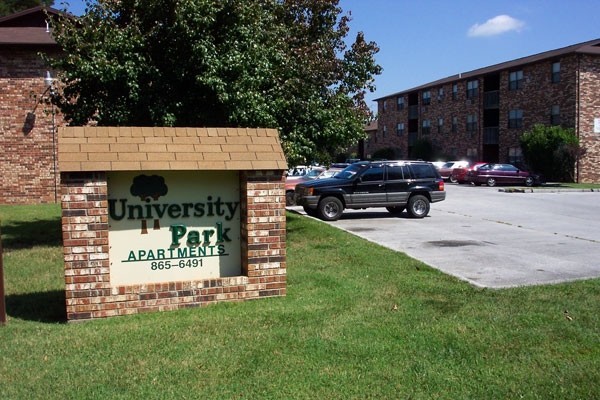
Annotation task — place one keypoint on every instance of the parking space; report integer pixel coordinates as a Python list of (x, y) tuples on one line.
[(492, 238)]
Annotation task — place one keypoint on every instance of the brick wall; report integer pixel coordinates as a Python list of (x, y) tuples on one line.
[(89, 294), (589, 110), (28, 144)]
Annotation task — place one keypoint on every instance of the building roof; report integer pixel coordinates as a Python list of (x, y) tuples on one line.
[(26, 36), (589, 47), (371, 126), (28, 27), (159, 149), (32, 17)]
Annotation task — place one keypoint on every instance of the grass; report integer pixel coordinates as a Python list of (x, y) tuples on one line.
[(359, 321)]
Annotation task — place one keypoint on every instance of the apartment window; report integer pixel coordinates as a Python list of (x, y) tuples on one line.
[(426, 97), (555, 72), (472, 153), (515, 80), (472, 87), (384, 105), (400, 129), (440, 95), (555, 115), (471, 123), (426, 127), (454, 91), (440, 126), (454, 124), (384, 131), (515, 119), (515, 155), (400, 103)]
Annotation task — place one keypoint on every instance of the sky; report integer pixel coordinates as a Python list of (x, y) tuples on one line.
[(422, 41)]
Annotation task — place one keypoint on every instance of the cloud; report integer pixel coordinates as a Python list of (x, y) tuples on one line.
[(496, 26)]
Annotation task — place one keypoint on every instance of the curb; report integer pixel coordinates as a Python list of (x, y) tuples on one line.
[(549, 190)]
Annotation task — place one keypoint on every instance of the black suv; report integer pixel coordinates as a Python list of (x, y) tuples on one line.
[(396, 185)]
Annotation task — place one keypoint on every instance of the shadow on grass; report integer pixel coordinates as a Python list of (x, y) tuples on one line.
[(48, 307), (28, 234)]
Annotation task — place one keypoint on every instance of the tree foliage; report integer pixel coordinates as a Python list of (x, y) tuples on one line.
[(256, 63), (551, 151), (8, 7)]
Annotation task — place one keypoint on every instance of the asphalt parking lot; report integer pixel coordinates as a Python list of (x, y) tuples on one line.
[(494, 239)]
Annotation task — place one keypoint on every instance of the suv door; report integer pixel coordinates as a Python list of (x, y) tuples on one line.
[(369, 187), (396, 184)]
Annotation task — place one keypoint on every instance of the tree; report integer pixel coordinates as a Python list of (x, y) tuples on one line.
[(8, 7), (551, 151), (257, 63)]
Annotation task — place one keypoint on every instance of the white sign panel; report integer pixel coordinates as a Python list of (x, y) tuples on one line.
[(167, 226), (596, 125)]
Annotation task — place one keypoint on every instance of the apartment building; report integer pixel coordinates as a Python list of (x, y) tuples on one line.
[(480, 115), (28, 120)]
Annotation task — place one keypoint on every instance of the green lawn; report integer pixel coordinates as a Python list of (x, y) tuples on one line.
[(359, 321)]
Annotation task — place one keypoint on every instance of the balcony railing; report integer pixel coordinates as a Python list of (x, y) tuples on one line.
[(412, 137), (491, 99), (491, 135), (413, 112)]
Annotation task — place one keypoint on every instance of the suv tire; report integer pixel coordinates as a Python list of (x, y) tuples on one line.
[(289, 198), (330, 209), (418, 206)]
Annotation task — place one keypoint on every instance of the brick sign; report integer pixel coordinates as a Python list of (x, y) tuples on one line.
[(158, 219)]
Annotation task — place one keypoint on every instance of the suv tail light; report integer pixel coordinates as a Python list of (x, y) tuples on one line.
[(441, 186)]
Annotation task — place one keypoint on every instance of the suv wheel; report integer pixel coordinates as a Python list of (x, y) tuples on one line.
[(289, 198), (330, 209), (453, 179), (418, 206), (395, 210)]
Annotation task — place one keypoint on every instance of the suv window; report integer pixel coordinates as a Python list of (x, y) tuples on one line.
[(423, 171), (397, 172), (372, 174)]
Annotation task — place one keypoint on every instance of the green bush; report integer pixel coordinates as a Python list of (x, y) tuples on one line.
[(551, 151)]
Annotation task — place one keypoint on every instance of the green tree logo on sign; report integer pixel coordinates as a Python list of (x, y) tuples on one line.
[(149, 188)]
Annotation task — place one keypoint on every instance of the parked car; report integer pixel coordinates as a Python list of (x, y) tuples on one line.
[(330, 172), (292, 181), (459, 175), (438, 164), (446, 169), (396, 185), (495, 174)]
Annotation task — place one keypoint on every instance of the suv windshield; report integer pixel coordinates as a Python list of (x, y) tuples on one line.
[(349, 172)]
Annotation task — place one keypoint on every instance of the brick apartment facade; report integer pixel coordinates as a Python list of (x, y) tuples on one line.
[(480, 115), (28, 121)]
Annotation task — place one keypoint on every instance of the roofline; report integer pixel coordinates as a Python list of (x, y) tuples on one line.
[(32, 10), (584, 48)]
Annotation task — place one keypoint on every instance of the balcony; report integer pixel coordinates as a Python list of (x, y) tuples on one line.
[(413, 112), (412, 137), (491, 135), (491, 99)]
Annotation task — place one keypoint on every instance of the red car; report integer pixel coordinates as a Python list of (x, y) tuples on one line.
[(446, 169), (459, 175), (293, 180), (494, 174)]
